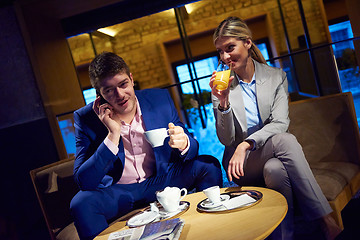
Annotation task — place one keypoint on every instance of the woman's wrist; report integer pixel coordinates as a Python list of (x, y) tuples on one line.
[(224, 105), (246, 145), (223, 109)]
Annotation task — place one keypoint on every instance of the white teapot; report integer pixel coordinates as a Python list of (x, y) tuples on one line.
[(170, 198)]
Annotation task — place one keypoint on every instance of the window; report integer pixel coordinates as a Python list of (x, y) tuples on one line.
[(348, 68), (207, 138), (265, 49), (204, 67), (341, 31), (89, 95), (66, 125)]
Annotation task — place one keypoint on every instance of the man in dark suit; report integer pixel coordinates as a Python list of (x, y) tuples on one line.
[(116, 169)]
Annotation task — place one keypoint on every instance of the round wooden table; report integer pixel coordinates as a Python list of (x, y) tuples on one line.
[(256, 222)]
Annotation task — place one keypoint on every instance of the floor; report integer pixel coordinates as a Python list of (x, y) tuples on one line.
[(351, 215)]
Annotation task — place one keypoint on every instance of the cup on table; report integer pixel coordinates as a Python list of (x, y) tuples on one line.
[(170, 198), (222, 76), (156, 137), (213, 194)]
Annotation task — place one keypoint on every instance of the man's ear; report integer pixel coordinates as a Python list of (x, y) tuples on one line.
[(132, 80)]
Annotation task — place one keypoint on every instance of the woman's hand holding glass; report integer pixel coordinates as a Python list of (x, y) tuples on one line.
[(222, 76), (220, 83)]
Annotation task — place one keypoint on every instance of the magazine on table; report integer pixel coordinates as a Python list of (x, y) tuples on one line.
[(168, 229)]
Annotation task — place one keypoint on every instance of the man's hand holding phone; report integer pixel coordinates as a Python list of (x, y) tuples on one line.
[(106, 115)]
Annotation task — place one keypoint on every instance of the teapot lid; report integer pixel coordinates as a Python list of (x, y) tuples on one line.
[(167, 190)]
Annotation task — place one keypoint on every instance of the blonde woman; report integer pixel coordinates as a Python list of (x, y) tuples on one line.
[(252, 122)]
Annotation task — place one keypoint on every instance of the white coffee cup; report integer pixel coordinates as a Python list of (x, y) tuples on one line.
[(156, 137), (170, 198), (213, 194)]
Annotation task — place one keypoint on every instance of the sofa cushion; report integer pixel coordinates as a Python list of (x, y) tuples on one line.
[(68, 233), (331, 183), (56, 188), (52, 183), (346, 169), (58, 201), (333, 176)]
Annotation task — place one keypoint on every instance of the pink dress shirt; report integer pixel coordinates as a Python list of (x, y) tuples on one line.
[(139, 155)]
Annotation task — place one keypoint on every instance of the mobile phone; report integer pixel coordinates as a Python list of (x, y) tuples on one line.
[(102, 99)]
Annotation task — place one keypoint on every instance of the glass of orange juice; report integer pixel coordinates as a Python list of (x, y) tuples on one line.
[(222, 76)]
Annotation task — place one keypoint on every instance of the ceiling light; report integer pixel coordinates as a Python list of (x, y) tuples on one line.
[(107, 31), (189, 8)]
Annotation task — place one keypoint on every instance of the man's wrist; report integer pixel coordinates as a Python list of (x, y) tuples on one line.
[(111, 146), (114, 137), (186, 149)]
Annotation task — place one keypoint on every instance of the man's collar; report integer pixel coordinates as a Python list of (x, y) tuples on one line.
[(138, 113)]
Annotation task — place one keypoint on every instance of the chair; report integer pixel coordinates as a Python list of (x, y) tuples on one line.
[(327, 129), (55, 187)]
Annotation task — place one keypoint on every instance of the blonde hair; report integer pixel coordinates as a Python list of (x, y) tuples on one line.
[(235, 27)]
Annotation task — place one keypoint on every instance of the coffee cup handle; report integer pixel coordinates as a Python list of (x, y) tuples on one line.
[(185, 193)]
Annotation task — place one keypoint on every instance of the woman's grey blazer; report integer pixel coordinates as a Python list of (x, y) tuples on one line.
[(272, 101)]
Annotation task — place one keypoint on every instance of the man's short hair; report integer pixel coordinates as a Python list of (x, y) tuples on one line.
[(104, 65)]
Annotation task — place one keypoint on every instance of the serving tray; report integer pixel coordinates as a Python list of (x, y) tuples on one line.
[(234, 201)]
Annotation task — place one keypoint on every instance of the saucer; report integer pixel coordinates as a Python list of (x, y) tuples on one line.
[(142, 219), (147, 216), (207, 204), (164, 214)]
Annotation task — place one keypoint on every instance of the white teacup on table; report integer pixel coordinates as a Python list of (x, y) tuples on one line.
[(156, 137), (214, 199), (170, 198), (213, 194)]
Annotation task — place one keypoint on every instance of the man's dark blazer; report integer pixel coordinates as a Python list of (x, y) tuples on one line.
[(97, 167)]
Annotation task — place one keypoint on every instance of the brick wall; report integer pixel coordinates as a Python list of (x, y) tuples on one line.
[(140, 41)]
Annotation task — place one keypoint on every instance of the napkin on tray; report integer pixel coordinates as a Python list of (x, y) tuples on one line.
[(238, 201)]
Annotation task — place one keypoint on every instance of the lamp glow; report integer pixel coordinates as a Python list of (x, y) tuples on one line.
[(107, 31), (189, 8)]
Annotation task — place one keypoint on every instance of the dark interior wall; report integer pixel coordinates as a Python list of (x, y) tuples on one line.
[(16, 79), (25, 135)]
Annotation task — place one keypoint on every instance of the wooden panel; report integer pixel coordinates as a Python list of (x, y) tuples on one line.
[(202, 43), (355, 184), (335, 9), (339, 203), (66, 8), (52, 62), (199, 44), (83, 74), (353, 7), (53, 67)]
